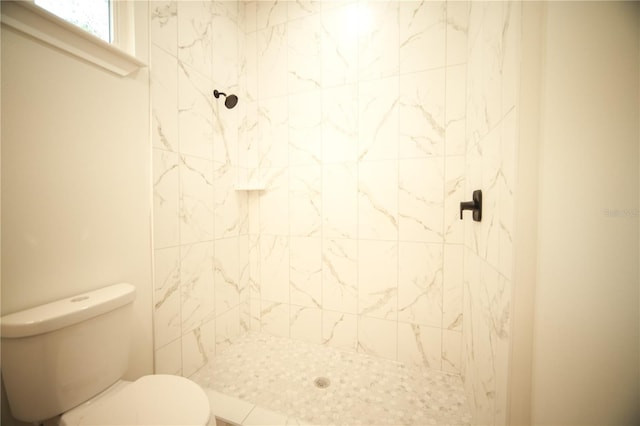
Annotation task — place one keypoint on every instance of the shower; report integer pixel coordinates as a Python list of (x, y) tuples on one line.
[(230, 102)]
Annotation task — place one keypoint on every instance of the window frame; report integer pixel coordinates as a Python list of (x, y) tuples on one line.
[(117, 56), (106, 22)]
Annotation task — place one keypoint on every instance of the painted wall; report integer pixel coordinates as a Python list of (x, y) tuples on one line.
[(200, 243), (76, 172), (586, 336), (355, 124)]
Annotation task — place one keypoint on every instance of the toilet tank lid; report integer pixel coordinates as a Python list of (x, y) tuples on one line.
[(63, 313)]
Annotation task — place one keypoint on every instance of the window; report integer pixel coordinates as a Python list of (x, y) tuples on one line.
[(93, 16), (102, 32)]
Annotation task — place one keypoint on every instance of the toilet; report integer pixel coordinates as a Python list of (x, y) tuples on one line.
[(63, 362)]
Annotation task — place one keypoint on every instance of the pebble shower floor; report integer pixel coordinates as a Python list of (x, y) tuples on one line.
[(281, 375)]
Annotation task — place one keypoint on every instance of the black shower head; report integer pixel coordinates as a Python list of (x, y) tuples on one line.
[(230, 102)]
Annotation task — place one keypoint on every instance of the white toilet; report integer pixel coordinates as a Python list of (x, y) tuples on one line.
[(62, 363)]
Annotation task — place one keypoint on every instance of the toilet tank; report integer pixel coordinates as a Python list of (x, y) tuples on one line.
[(58, 355)]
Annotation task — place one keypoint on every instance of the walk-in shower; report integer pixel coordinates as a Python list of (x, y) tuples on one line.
[(364, 141)]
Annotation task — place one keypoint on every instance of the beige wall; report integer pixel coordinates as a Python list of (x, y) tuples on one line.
[(585, 354), (76, 182)]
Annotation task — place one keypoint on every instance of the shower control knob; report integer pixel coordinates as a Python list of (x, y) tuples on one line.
[(475, 206)]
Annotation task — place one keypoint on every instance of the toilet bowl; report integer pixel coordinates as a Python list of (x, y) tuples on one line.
[(63, 364), (150, 400)]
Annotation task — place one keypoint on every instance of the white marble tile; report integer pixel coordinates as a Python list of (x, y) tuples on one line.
[(274, 214), (273, 131), (226, 270), (508, 141), (453, 287), (378, 337), (339, 330), (420, 199), (306, 324), (245, 317), (196, 200), (305, 128), (340, 124), (378, 200), (274, 318), (272, 61), (454, 193), (198, 347), (339, 45), (168, 359), (254, 266), (305, 276), (487, 316), (166, 199), (422, 114), (244, 264), (164, 92), (378, 279), (229, 205), (249, 66), (255, 313), (378, 104), (339, 200), (196, 285), (249, 137), (227, 328), (420, 345), (455, 110), (492, 60), (166, 296), (477, 124), (451, 351), (302, 8), (488, 230), (378, 39), (163, 25), (305, 209), (457, 31), (225, 36), (225, 130), (422, 35), (420, 283), (474, 24), (250, 15), (274, 269), (304, 53), (270, 13), (500, 337), (511, 55), (195, 118), (340, 275), (195, 34)]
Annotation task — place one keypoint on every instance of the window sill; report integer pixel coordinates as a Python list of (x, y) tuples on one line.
[(30, 19)]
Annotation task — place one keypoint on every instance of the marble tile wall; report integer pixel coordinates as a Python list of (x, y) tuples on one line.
[(200, 239), (366, 123), (355, 123), (491, 141)]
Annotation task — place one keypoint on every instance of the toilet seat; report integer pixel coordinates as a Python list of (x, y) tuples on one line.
[(150, 400)]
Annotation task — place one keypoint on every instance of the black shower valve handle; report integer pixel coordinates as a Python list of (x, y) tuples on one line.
[(475, 206)]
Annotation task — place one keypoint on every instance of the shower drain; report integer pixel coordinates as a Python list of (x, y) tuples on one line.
[(322, 382)]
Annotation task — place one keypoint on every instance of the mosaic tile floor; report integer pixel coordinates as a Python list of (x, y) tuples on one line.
[(278, 374)]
